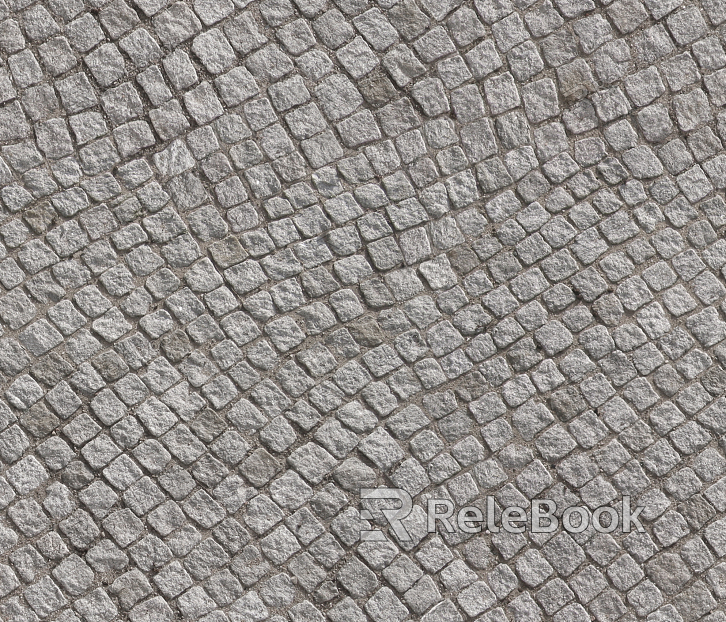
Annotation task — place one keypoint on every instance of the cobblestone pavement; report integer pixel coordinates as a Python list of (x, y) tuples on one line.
[(257, 255)]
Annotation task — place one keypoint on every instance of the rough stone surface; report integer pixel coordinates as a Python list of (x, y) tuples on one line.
[(258, 254)]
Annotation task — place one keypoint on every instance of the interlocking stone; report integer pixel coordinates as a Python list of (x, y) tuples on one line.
[(257, 255)]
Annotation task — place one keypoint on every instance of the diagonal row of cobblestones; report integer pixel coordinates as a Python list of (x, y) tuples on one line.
[(257, 255)]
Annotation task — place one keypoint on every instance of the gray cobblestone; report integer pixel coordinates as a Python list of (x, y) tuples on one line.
[(260, 255)]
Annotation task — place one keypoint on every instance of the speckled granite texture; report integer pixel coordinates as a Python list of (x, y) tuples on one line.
[(260, 254)]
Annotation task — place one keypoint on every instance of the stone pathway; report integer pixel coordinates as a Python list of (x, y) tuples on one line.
[(258, 255)]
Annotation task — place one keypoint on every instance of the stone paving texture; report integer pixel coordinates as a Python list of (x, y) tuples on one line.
[(258, 254)]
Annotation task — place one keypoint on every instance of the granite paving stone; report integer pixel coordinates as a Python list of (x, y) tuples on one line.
[(257, 256)]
